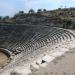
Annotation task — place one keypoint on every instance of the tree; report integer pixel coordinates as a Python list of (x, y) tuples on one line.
[(67, 24), (5, 18), (14, 73), (21, 12), (31, 11), (59, 8), (0, 17), (44, 10), (39, 10)]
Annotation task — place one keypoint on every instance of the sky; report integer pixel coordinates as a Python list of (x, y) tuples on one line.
[(10, 7)]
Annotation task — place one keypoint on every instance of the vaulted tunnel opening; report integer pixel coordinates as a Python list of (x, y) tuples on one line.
[(4, 57)]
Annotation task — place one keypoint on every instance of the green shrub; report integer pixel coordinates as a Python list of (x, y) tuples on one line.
[(14, 73)]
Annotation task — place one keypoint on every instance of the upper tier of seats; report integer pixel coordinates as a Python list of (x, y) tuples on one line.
[(23, 38)]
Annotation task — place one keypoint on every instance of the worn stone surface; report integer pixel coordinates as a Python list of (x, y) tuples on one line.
[(30, 46)]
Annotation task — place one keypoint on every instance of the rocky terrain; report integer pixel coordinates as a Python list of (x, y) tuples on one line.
[(34, 43), (29, 48)]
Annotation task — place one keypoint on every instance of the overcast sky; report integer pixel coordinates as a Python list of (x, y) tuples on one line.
[(10, 7)]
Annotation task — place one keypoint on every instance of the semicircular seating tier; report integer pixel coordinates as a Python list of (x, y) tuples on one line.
[(24, 38)]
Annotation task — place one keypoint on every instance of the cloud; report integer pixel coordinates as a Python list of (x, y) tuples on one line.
[(55, 0), (10, 7), (6, 8)]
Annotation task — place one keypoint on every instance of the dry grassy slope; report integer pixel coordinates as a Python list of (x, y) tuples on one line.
[(67, 13), (64, 18)]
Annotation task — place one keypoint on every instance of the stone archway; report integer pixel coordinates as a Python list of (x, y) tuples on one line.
[(4, 57)]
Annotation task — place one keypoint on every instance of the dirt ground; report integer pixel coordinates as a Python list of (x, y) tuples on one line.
[(64, 65)]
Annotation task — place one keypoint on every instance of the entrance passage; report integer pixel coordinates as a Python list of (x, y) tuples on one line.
[(3, 59)]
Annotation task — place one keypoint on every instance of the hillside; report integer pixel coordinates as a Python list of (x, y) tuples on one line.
[(33, 43), (63, 18), (26, 48)]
